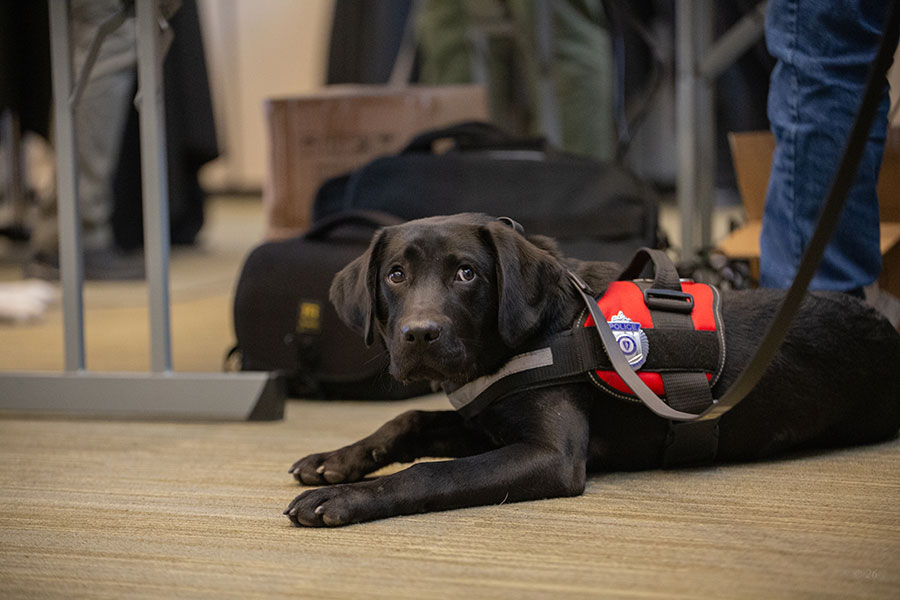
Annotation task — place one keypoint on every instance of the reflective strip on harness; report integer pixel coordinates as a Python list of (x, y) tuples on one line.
[(523, 362)]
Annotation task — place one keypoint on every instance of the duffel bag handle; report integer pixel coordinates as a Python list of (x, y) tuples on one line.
[(369, 218), (472, 135)]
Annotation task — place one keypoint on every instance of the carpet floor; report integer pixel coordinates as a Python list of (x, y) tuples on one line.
[(108, 509)]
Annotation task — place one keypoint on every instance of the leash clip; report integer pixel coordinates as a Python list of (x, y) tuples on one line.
[(581, 284)]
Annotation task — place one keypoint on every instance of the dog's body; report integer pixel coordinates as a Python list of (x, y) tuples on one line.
[(453, 298)]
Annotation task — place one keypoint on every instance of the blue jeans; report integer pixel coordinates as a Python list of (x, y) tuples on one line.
[(823, 50)]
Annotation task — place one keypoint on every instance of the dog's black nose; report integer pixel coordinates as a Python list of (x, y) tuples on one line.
[(420, 332)]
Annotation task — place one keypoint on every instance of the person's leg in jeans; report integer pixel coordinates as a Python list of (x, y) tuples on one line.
[(823, 50)]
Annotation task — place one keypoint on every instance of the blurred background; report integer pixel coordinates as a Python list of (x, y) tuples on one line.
[(257, 91)]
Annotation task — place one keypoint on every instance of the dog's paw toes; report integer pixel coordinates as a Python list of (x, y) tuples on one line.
[(315, 470), (305, 470), (333, 513), (318, 508), (331, 474), (341, 466)]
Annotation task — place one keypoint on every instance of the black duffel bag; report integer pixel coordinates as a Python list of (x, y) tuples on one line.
[(596, 210), (284, 322)]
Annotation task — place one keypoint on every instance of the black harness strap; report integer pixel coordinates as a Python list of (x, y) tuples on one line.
[(688, 442), (688, 392), (692, 438), (665, 276), (691, 444), (681, 355), (569, 355)]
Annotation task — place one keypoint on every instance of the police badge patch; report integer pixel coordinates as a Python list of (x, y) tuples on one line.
[(631, 339)]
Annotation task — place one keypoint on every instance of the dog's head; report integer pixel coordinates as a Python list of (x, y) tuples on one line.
[(451, 297)]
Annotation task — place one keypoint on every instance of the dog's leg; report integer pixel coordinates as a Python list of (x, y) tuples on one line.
[(509, 474), (412, 435), (551, 464)]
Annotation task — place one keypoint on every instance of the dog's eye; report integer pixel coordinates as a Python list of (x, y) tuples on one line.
[(465, 273), (396, 275)]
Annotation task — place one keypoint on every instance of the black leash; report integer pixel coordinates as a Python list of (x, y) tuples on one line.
[(825, 227), (812, 257), (693, 438)]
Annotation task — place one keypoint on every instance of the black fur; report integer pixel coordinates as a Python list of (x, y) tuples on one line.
[(835, 381)]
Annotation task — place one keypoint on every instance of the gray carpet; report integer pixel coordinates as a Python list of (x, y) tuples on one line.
[(130, 510)]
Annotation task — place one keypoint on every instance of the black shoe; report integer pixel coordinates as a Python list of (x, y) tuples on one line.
[(102, 264)]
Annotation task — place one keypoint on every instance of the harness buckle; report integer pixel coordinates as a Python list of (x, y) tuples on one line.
[(670, 300)]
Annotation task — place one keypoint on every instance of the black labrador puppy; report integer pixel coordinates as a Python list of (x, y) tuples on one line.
[(453, 298)]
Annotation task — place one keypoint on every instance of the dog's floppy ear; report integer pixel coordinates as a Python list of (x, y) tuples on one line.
[(354, 291), (528, 283)]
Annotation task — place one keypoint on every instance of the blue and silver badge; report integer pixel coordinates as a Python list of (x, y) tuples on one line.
[(631, 339)]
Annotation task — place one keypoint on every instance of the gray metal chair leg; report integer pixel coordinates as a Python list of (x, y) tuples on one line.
[(160, 394), (154, 182)]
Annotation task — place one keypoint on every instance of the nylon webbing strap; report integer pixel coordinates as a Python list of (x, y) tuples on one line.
[(666, 276), (691, 443), (571, 354), (687, 391)]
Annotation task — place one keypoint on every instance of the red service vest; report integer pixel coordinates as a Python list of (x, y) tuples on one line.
[(631, 319)]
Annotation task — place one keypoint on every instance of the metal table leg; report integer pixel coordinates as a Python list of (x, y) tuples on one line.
[(70, 257), (155, 183), (699, 61), (160, 393)]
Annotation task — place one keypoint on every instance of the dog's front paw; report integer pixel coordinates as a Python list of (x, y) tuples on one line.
[(328, 507), (348, 464)]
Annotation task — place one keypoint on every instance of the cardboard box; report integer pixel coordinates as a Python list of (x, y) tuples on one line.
[(752, 156), (318, 136)]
